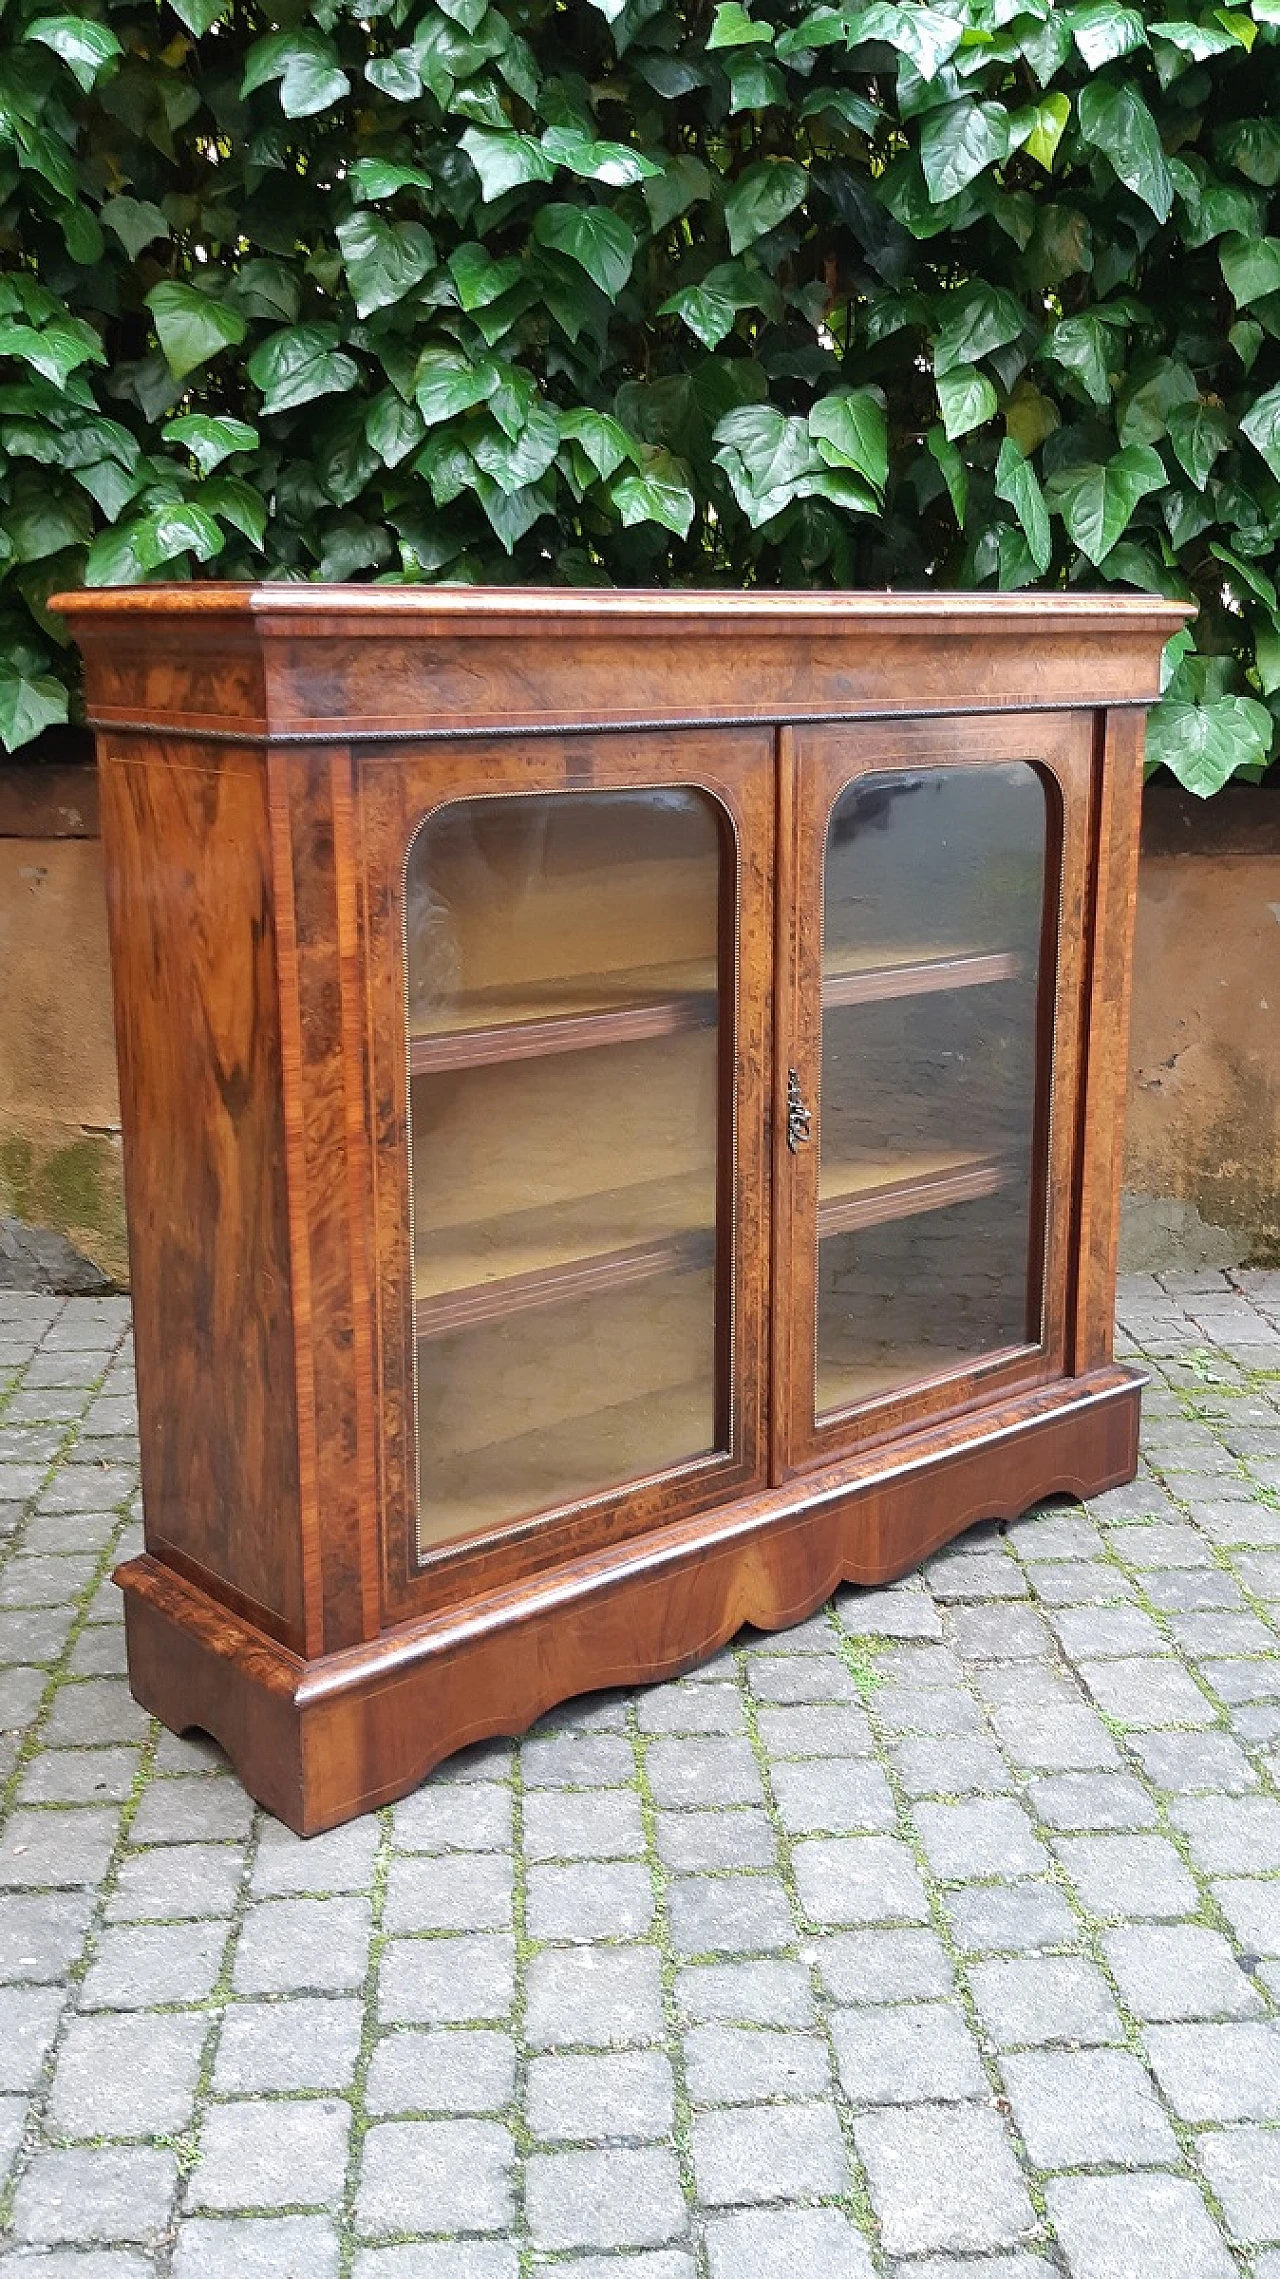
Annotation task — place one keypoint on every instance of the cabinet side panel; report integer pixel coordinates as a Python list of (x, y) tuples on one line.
[(1119, 741), (189, 894)]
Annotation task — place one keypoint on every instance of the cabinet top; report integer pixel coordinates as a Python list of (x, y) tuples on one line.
[(295, 663)]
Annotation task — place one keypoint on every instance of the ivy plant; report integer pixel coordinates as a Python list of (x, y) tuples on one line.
[(984, 293)]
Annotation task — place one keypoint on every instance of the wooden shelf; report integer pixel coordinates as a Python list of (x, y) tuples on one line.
[(485, 1484), (866, 976), (569, 1014), (476, 1272), (843, 1385), (866, 1189)]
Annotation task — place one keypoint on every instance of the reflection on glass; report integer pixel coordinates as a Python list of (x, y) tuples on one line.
[(562, 965), (932, 914)]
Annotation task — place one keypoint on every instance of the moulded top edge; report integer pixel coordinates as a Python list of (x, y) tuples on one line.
[(478, 608)]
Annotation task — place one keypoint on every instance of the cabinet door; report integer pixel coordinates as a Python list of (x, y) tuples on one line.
[(932, 908), (570, 943)]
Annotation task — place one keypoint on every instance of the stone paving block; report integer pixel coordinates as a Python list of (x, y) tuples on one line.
[(467, 1891), (745, 2065), (42, 1849), (895, 1613), (942, 2177), (1011, 1919), (589, 1900), (138, 1965), (859, 1879), (1061, 1531), (1167, 1542), (776, 2152), (1039, 1999), (594, 1998), (91, 2193), (1193, 1590), (1145, 1692), (601, 1824), (41, 1934), (80, 1776), (975, 1575), (93, 1711), (301, 2043), (700, 1708), (258, 2247), (1104, 1632), (341, 1859), (20, 1695), (1179, 1971), (1252, 1908), (446, 1981), (985, 1837), (1243, 2168), (819, 2243), (1056, 1737), (1247, 1679), (303, 1946), (806, 1730), (454, 2259), (461, 2070), (824, 1795), (802, 1678), (192, 1811), (991, 2267), (700, 1772), (1098, 1802), (746, 1993), (577, 1760), (1190, 1761), (28, 2022), (1230, 1835), (1204, 1635), (13, 2121), (435, 2176), (270, 2154), (928, 1709), (729, 1914), (619, 2198), (739, 1837), (1140, 1876), (585, 2099), (911, 2053), (1087, 2108), (176, 1882), (475, 1817), (1218, 2073), (953, 1765), (130, 2076), (1080, 1582), (1136, 2227), (883, 1966)]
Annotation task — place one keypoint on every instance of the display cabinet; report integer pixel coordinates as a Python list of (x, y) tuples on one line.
[(622, 1102)]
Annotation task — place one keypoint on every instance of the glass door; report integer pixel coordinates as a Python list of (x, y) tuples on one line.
[(573, 1032), (933, 1034)]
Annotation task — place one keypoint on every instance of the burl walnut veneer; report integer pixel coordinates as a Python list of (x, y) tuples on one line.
[(622, 1110)]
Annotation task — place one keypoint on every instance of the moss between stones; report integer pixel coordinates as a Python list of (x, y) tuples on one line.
[(75, 1190)]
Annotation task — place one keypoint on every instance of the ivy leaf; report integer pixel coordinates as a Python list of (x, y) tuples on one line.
[(612, 162), (503, 162), (233, 500), (447, 383), (958, 141), (683, 182), (1017, 483), (379, 178), (191, 327), (199, 16), (980, 319), (598, 240), (659, 493), (1204, 745), (850, 431), (927, 36), (1247, 575), (211, 440), (397, 76), (300, 363), (56, 351), (1261, 424), (514, 463), (1252, 146), (392, 427), (479, 278), (306, 65), (733, 27), (1198, 433), (1103, 32), (1251, 268), (383, 260), (967, 399), (1049, 120), (1083, 345), (762, 198), (1199, 41), (84, 45), (605, 440), (1116, 120), (954, 472), (773, 449), (709, 309), (29, 703), (136, 222), (1097, 501)]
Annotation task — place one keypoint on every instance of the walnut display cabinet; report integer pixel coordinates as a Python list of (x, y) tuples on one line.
[(622, 1105)]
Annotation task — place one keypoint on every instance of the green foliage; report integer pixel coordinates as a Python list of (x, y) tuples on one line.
[(782, 293)]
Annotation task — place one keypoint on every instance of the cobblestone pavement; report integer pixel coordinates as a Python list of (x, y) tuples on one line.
[(936, 1939)]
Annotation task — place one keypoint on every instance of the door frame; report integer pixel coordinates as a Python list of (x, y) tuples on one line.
[(816, 764), (395, 794)]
